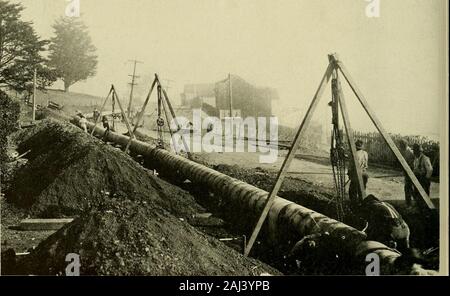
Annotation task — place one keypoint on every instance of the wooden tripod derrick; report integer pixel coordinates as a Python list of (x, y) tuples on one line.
[(335, 67), (164, 108), (114, 98)]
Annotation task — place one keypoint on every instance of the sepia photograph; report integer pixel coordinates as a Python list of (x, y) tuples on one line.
[(223, 138)]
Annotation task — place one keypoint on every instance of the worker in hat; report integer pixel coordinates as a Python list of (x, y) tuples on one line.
[(83, 122), (105, 126), (362, 160), (422, 169), (408, 155), (96, 114)]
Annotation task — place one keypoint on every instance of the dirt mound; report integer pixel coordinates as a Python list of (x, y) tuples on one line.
[(130, 222), (69, 172), (135, 238)]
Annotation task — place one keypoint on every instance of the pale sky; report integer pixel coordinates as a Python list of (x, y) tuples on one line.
[(397, 60)]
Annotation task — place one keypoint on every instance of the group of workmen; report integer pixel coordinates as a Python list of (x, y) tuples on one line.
[(380, 221), (384, 223), (415, 158), (96, 114)]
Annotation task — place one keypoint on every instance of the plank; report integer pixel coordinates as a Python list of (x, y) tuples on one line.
[(43, 224)]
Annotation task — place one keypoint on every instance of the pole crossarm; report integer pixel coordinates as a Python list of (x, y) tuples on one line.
[(133, 78)]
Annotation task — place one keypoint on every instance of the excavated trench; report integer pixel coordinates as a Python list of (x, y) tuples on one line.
[(241, 203), (128, 221), (341, 252), (327, 258), (423, 224)]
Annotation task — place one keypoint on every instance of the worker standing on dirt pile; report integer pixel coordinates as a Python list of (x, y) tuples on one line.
[(408, 154), (422, 170), (105, 126), (362, 159), (96, 114), (83, 122)]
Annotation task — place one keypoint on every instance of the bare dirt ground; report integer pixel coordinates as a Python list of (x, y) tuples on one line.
[(14, 238), (384, 183)]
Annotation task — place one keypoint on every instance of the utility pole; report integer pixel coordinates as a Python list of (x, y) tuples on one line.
[(230, 93), (133, 79), (33, 118)]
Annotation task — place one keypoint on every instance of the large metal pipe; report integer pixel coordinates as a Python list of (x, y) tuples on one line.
[(287, 221)]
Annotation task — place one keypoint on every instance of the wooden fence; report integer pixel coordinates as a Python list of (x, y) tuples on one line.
[(379, 152)]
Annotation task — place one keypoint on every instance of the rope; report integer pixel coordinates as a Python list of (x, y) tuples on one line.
[(168, 125), (337, 157), (160, 120)]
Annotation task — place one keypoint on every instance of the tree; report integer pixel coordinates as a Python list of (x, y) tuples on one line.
[(72, 54), (20, 51), (9, 115)]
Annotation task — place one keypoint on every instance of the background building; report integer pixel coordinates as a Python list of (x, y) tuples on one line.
[(214, 98)]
